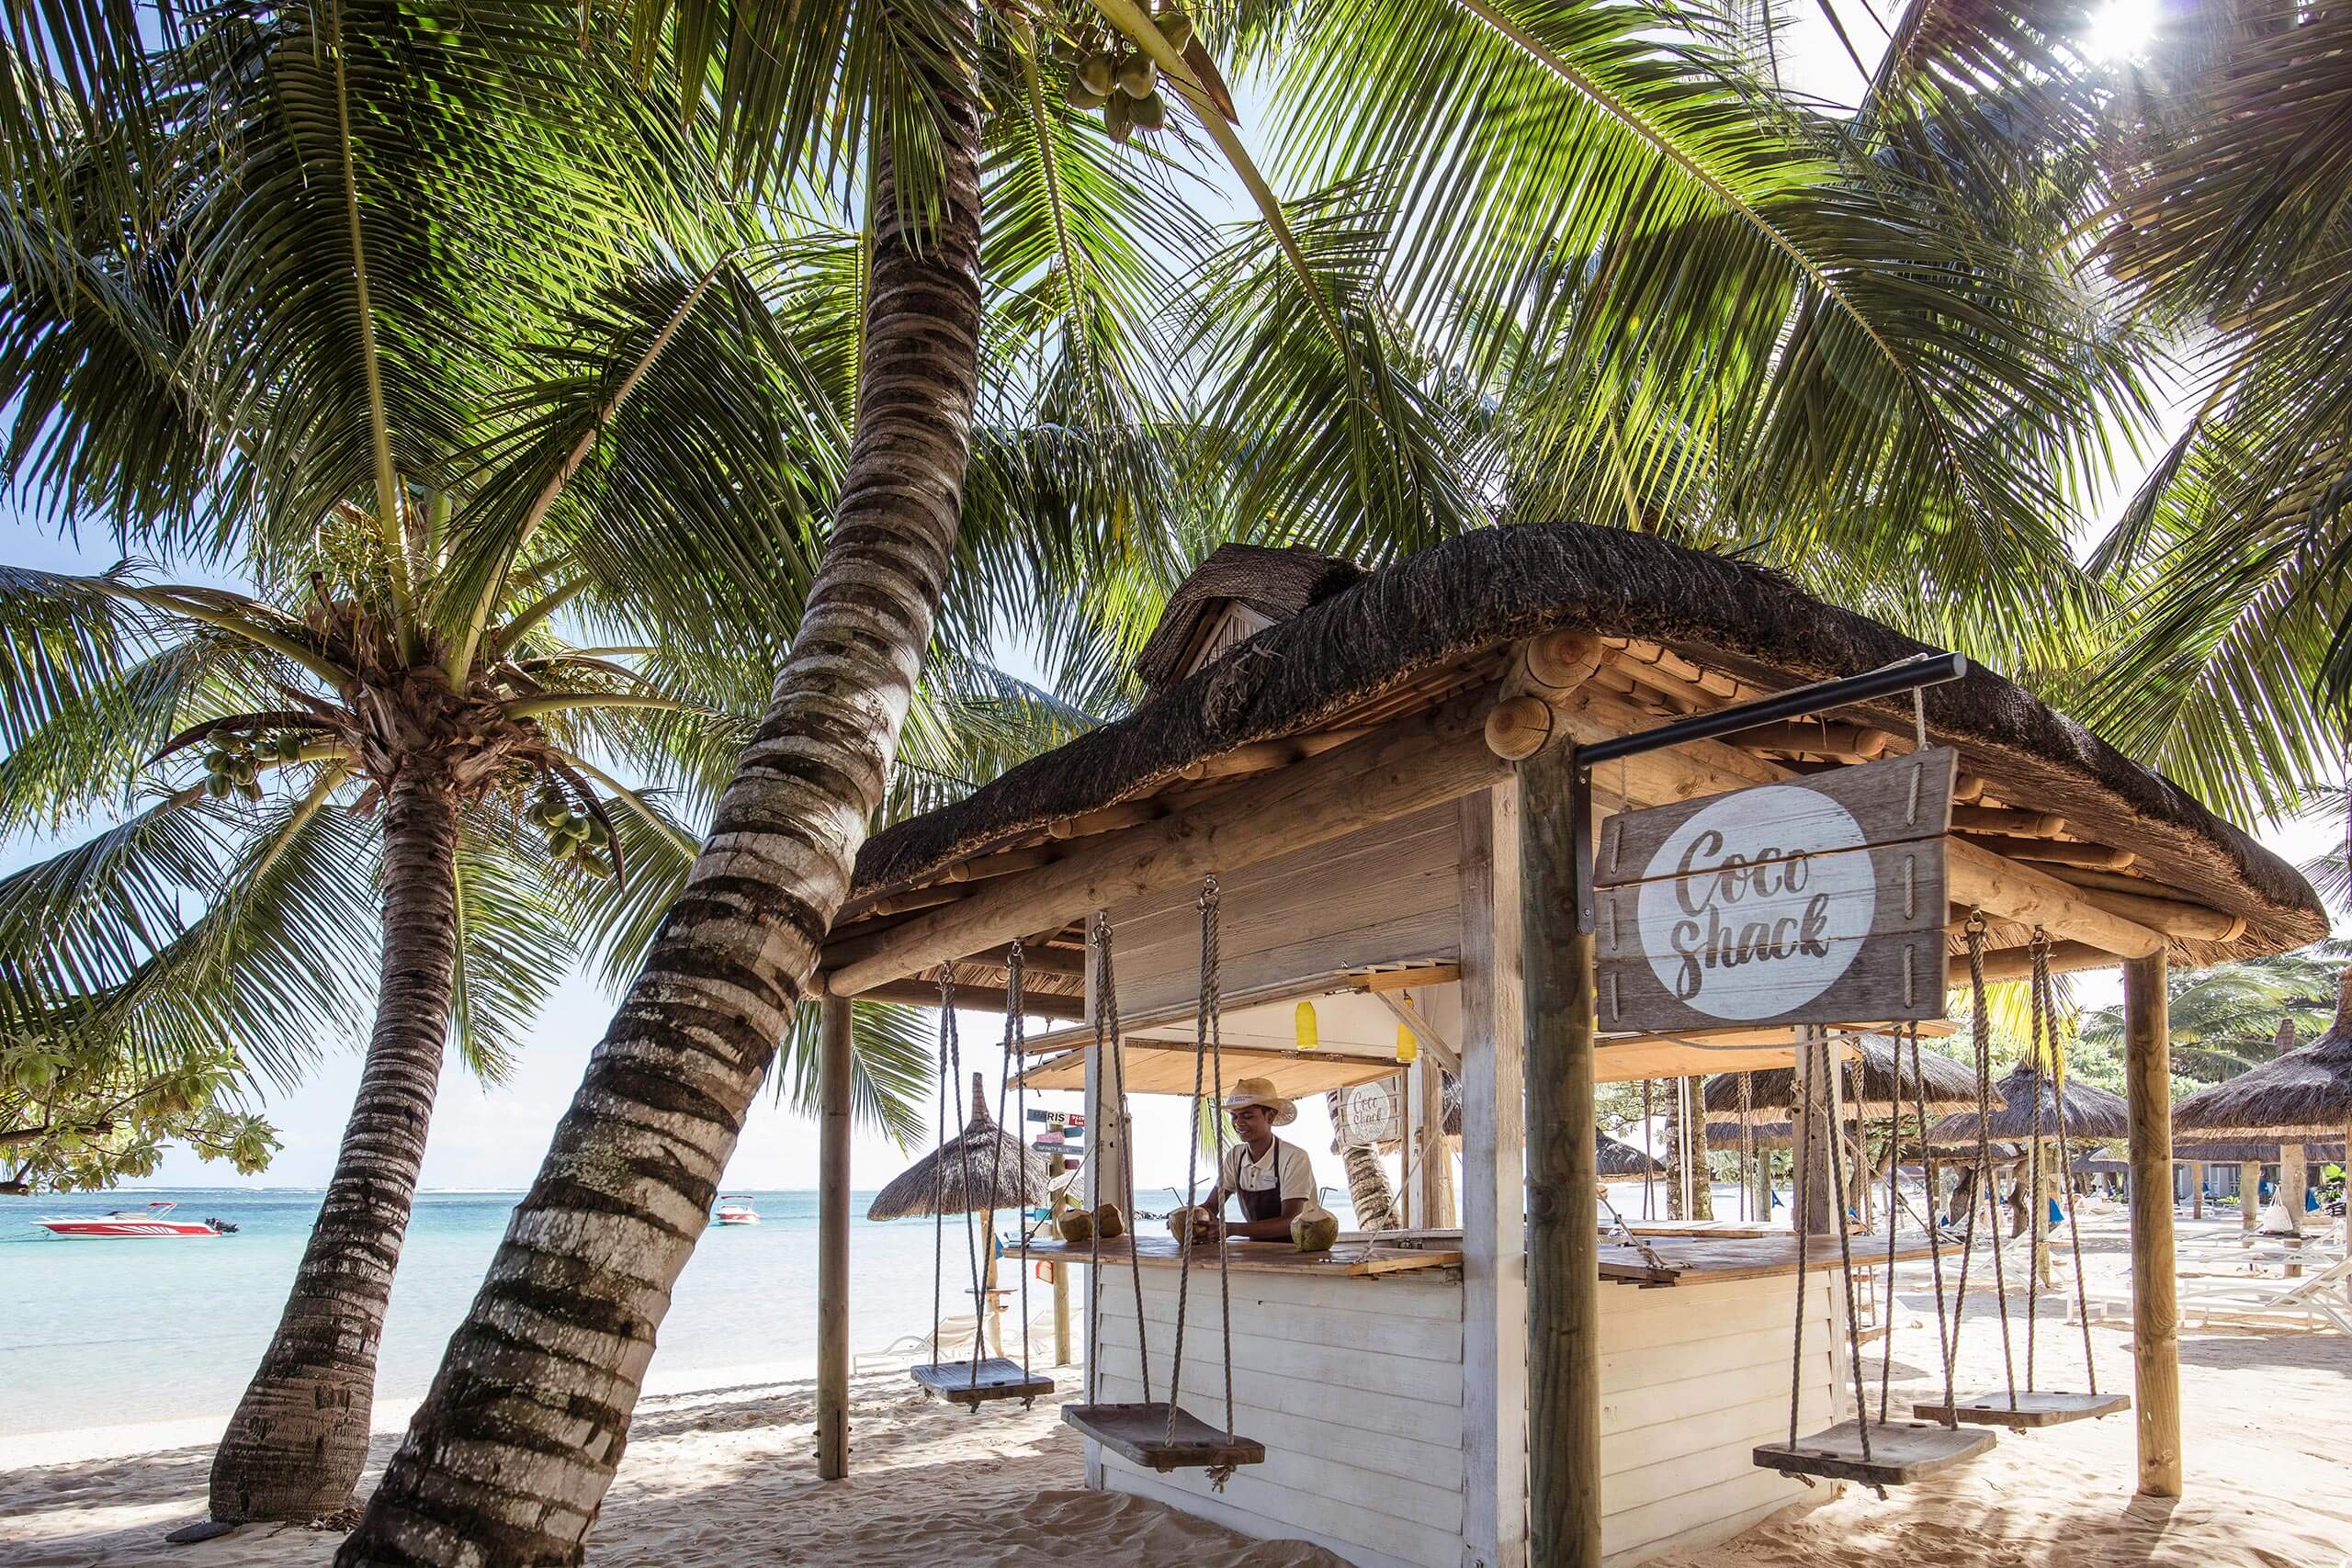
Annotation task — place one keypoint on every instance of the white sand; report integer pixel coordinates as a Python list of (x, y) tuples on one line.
[(726, 1475)]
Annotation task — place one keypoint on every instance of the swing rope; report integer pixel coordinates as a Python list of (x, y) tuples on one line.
[(1747, 1149), (1893, 1176), (1935, 1225), (939, 1168), (1207, 1047), (1846, 1247), (1649, 1167), (1980, 1027), (2037, 1039), (2065, 1157), (1014, 1042), (1111, 1048)]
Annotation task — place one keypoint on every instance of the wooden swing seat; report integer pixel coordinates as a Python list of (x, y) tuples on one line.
[(2032, 1408), (1139, 1433), (959, 1382), (1899, 1454)]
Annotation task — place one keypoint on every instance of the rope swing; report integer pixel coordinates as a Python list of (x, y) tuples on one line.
[(981, 1378), (1160, 1434)]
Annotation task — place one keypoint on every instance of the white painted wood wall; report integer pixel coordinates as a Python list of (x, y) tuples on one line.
[(1355, 1388)]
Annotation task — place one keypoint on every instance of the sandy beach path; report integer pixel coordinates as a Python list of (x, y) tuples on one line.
[(726, 1475)]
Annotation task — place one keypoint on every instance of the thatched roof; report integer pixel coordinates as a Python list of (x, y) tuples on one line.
[(2306, 1091), (1278, 584), (1773, 1090), (2259, 1151), (1437, 614), (1625, 1160), (954, 1181), (2093, 1115)]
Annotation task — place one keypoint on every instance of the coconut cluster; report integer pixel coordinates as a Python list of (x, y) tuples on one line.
[(573, 835), (1121, 80), (235, 761)]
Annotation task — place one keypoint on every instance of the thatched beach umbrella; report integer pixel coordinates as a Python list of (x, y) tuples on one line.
[(1624, 1159), (2093, 1115), (955, 1179), (1771, 1091), (2302, 1095)]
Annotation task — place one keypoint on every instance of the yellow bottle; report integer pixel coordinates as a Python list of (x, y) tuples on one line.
[(1304, 1028), (1409, 1045)]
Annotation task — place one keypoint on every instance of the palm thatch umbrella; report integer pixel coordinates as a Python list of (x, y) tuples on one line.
[(2298, 1098), (2093, 1115), (1772, 1091), (1624, 1159), (982, 1169), (955, 1179)]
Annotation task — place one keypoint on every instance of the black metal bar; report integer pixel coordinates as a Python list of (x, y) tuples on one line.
[(1910, 674)]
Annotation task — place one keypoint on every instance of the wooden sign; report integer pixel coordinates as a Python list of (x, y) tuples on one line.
[(1820, 900)]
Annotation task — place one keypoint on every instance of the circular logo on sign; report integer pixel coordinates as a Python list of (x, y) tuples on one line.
[(1751, 911)]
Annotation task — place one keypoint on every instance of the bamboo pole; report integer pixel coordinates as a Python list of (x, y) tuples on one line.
[(1563, 1219), (1055, 1166), (2155, 1308), (832, 1240)]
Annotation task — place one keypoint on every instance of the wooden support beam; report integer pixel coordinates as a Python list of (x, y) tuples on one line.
[(833, 1239), (914, 898), (2155, 1305), (1494, 1187), (1564, 1218), (980, 999), (2059, 852), (1411, 1017), (1404, 767), (1260, 755), (1037, 958), (1851, 742), (2006, 890), (1109, 819), (2066, 957), (1003, 865), (2002, 820)]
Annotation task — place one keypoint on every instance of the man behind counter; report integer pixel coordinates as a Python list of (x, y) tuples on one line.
[(1273, 1179)]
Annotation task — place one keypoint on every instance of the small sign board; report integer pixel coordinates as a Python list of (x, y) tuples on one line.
[(1817, 900)]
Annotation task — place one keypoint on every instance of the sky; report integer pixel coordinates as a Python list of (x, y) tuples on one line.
[(493, 1137)]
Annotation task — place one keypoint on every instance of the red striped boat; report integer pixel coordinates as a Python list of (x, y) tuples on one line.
[(153, 1220)]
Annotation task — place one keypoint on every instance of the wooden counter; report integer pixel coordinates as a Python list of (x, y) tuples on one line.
[(1353, 1257), (1656, 1260)]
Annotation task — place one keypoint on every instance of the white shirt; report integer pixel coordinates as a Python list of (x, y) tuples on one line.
[(1285, 1169)]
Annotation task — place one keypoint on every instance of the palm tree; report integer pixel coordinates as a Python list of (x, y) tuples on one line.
[(1922, 396), (519, 411), (2226, 224), (2236, 1016)]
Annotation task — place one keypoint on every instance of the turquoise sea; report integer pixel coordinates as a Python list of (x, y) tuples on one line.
[(102, 1333)]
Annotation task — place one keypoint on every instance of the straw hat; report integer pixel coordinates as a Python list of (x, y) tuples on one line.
[(1261, 1091)]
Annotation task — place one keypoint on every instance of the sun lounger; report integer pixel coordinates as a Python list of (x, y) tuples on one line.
[(2315, 1301)]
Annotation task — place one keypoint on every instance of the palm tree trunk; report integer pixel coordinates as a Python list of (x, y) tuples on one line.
[(295, 1447), (508, 1459)]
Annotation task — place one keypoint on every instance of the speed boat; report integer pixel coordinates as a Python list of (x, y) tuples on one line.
[(737, 1212), (153, 1220)]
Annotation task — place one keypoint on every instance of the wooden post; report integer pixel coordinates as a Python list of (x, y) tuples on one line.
[(1437, 1170), (1563, 1261), (833, 1239), (2293, 1184), (2249, 1192), (1494, 1188), (1055, 1166), (1408, 1126), (1811, 1203), (2197, 1190), (2155, 1308), (2346, 1163)]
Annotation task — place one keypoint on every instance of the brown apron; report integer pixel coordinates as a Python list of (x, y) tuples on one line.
[(1266, 1204)]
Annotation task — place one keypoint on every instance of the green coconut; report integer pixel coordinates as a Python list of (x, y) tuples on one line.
[(1176, 28), (1076, 1227), (1077, 96), (1137, 75), (1150, 112), (1315, 1230), (1109, 1223), (1182, 1222), (1100, 73)]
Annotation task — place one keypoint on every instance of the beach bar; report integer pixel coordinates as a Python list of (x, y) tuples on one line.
[(1388, 777)]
